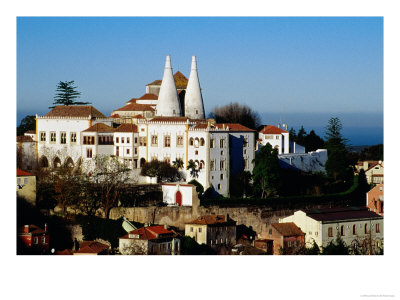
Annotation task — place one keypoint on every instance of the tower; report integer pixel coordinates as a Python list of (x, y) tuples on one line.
[(194, 108), (168, 101)]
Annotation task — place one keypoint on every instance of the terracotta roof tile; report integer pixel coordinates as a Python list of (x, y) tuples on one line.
[(180, 81), (169, 119), (211, 219), (133, 100), (152, 233), (148, 96), (24, 139), (114, 116), (23, 173), (75, 111), (232, 127), (271, 129), (287, 229), (136, 107), (100, 127), (126, 128), (91, 247)]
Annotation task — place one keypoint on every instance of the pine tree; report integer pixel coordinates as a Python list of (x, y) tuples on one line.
[(66, 94)]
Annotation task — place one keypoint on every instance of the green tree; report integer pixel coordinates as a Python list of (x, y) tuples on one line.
[(160, 169), (198, 185), (236, 113), (336, 165), (66, 94), (27, 123), (266, 171), (178, 163), (301, 135), (292, 134), (313, 142), (194, 172), (337, 247)]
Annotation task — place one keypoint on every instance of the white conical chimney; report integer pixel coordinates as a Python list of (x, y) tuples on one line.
[(194, 108), (168, 101)]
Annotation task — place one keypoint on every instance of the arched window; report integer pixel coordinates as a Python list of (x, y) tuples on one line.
[(191, 141), (366, 228), (202, 142), (56, 162), (44, 163), (69, 162), (142, 161), (201, 164), (196, 142), (354, 229), (342, 230)]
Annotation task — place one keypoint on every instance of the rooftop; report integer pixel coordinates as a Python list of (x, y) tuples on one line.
[(151, 233), (271, 129), (212, 219), (24, 139), (136, 107), (83, 111), (180, 81), (33, 229), (91, 247), (23, 173), (169, 119), (126, 128), (338, 214), (99, 127), (287, 229), (148, 96)]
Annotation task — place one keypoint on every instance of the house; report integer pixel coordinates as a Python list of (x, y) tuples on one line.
[(212, 230), (179, 194), (33, 239), (26, 186), (286, 237), (148, 240), (92, 248), (275, 136), (375, 199), (357, 226), (374, 171), (126, 145), (26, 151)]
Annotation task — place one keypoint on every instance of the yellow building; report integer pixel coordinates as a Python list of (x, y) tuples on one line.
[(26, 186)]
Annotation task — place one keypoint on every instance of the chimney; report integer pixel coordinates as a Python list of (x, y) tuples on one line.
[(26, 229), (279, 125), (165, 226), (365, 165), (45, 227)]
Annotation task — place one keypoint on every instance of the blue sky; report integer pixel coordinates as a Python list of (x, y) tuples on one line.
[(297, 69)]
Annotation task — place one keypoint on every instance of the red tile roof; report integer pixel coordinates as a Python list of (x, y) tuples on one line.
[(126, 128), (23, 173), (99, 127), (373, 166), (180, 81), (33, 229), (151, 233), (64, 252), (148, 96), (233, 127), (91, 247), (288, 229), (75, 111), (169, 119), (24, 139), (271, 129), (345, 213), (133, 100), (211, 219), (138, 117), (114, 116), (136, 107)]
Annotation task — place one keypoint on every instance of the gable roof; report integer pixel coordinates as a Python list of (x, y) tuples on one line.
[(23, 173), (99, 127), (33, 229), (211, 220), (341, 213), (148, 96), (169, 119), (373, 166), (126, 127), (271, 129), (136, 107), (151, 233), (288, 229), (91, 247), (180, 81), (83, 111), (232, 127)]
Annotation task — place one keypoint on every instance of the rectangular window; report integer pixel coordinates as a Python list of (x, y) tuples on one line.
[(246, 164), (167, 141), (135, 140), (222, 177), (199, 229), (36, 240), (377, 228), (212, 165), (179, 140), (222, 165), (135, 151), (63, 139), (212, 143), (52, 137), (18, 180), (154, 140), (73, 137), (122, 140), (127, 151), (222, 143), (117, 139), (128, 140), (270, 231), (26, 182), (245, 142), (89, 152), (42, 136), (330, 232), (191, 229), (43, 240)]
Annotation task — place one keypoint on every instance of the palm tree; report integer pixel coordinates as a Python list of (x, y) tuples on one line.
[(178, 163), (193, 169)]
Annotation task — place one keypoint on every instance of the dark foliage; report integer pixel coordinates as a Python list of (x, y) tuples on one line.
[(199, 187), (337, 247), (160, 169), (190, 247), (374, 152), (236, 113), (27, 123), (66, 94), (240, 184)]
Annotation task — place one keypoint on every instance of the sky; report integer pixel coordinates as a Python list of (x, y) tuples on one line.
[(297, 70)]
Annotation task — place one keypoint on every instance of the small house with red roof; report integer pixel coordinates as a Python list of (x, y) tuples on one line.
[(33, 239), (26, 186), (212, 230), (286, 237), (375, 199), (276, 136), (92, 248), (149, 240)]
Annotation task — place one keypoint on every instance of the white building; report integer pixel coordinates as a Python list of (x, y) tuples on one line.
[(354, 225)]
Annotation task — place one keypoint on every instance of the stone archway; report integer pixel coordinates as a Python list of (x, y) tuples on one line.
[(69, 162), (44, 162), (56, 162)]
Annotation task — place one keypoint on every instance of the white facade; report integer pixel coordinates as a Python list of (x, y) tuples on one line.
[(172, 197)]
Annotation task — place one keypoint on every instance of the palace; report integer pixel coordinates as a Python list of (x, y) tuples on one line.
[(166, 123)]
